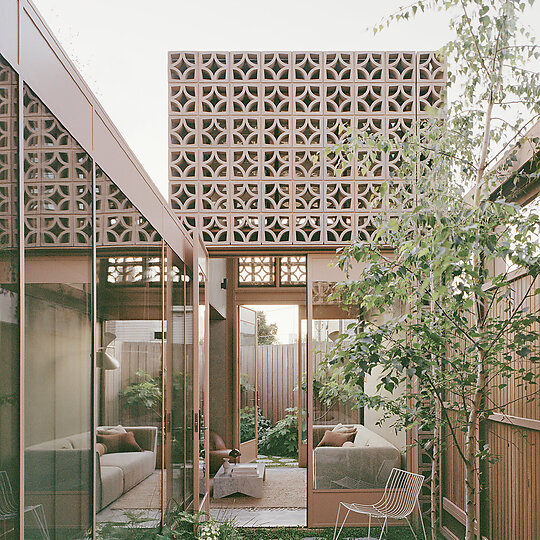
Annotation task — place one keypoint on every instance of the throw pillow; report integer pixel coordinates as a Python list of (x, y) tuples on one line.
[(119, 442), (111, 429), (348, 444), (340, 428), (333, 438), (101, 448)]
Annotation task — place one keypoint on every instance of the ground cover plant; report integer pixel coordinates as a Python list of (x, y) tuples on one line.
[(186, 526), (438, 321)]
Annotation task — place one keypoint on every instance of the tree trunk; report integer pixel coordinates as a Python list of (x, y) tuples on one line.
[(470, 508), (435, 485), (472, 480)]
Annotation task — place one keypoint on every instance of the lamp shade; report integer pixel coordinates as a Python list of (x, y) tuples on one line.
[(104, 360), (334, 335), (108, 338)]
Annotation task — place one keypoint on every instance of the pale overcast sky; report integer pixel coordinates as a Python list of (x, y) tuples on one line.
[(120, 46)]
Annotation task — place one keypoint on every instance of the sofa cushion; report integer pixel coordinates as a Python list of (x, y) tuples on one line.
[(101, 448), (111, 429), (340, 428), (136, 466), (56, 444), (334, 438), (81, 440), (119, 442), (112, 484)]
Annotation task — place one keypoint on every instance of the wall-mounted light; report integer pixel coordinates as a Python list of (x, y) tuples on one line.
[(334, 335), (104, 359)]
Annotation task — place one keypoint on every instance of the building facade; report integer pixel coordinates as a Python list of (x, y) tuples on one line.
[(90, 253)]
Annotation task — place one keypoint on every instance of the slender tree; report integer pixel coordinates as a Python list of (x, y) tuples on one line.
[(266, 332), (452, 332)]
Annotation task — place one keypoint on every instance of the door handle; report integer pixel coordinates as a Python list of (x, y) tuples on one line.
[(202, 426)]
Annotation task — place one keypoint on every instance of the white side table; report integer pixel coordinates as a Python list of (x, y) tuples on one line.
[(225, 484)]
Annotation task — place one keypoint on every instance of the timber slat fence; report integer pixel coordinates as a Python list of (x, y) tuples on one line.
[(512, 511)]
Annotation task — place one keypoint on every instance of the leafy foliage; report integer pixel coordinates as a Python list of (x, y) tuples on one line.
[(266, 332), (247, 424), (245, 385), (9, 399), (145, 392), (438, 321), (282, 439)]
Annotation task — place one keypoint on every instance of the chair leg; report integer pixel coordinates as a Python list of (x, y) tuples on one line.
[(342, 525), (41, 521), (410, 527), (421, 519), (369, 527), (383, 528), (337, 518)]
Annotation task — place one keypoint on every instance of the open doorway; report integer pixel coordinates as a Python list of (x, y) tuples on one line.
[(271, 384)]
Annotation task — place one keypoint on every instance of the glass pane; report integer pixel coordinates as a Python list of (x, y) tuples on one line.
[(202, 396), (248, 380), (176, 342), (351, 449), (58, 325), (9, 292), (129, 358), (188, 489)]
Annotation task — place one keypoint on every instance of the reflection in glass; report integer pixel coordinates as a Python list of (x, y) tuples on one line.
[(350, 451), (202, 396), (177, 380), (9, 292), (188, 484), (129, 357), (58, 324), (248, 375)]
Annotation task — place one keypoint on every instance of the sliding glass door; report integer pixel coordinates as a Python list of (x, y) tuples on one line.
[(351, 450)]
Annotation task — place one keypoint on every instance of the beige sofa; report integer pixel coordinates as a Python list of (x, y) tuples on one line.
[(124, 470), (63, 465), (365, 465)]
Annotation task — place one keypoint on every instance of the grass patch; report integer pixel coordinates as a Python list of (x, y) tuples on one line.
[(291, 533)]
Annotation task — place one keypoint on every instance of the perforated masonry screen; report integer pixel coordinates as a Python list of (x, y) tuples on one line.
[(272, 271), (244, 128)]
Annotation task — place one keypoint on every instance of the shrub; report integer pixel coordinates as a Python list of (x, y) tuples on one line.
[(247, 424), (282, 439)]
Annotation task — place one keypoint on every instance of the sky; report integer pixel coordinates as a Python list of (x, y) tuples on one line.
[(286, 319), (120, 47)]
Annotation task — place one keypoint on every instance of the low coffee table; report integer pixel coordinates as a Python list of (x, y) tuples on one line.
[(225, 484)]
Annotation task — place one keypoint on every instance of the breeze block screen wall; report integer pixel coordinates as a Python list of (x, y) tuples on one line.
[(244, 127)]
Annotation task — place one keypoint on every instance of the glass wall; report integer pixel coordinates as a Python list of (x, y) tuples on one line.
[(9, 295), (58, 324), (178, 381), (129, 356), (94, 330)]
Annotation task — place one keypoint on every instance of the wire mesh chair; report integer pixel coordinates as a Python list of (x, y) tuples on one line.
[(398, 501), (9, 510)]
